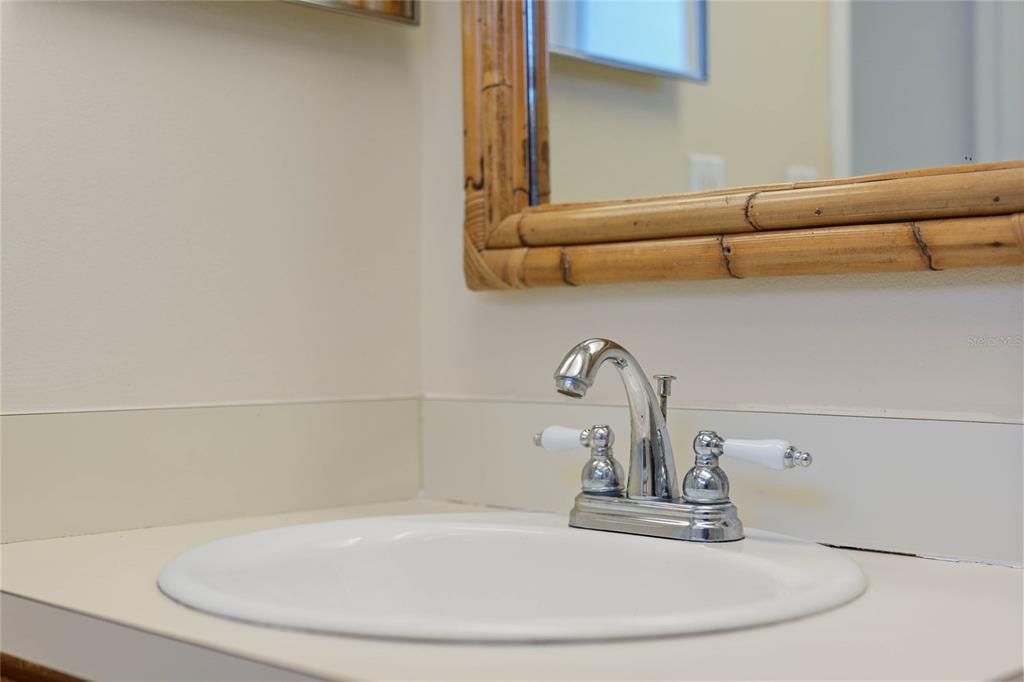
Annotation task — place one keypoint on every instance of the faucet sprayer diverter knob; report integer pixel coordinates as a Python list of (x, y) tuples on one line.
[(664, 384), (602, 474)]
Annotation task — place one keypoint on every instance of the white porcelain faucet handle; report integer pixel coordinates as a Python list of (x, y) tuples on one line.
[(774, 454), (560, 438)]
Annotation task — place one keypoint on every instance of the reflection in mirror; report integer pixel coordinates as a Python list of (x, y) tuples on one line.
[(666, 37), (795, 91), (406, 11)]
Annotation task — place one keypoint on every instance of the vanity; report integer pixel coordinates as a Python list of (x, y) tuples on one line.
[(646, 578), (914, 622)]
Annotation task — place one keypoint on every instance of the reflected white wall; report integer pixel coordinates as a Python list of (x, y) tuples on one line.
[(932, 83)]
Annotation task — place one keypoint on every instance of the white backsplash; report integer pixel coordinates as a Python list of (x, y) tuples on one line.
[(935, 488), (75, 473)]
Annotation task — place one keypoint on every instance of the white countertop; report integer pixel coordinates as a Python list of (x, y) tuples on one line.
[(919, 619)]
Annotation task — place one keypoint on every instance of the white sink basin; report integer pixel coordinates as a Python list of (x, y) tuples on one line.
[(505, 577)]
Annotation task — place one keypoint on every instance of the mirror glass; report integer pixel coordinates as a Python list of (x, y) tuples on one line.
[(793, 91)]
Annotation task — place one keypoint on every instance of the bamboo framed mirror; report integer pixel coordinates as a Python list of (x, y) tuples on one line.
[(954, 216)]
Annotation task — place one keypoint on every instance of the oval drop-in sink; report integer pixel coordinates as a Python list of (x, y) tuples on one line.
[(505, 576)]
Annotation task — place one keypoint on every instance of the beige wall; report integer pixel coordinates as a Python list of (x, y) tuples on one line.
[(885, 345), (206, 203), (619, 134)]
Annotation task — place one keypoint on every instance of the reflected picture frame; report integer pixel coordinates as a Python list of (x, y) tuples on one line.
[(402, 11), (570, 17)]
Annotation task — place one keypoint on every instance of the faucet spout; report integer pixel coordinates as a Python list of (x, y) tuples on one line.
[(652, 468)]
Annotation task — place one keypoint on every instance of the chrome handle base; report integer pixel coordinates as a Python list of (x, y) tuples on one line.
[(602, 474), (654, 518)]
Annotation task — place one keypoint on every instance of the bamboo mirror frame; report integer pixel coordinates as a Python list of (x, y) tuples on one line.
[(922, 219)]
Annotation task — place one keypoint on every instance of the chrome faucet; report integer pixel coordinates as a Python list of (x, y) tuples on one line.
[(651, 502), (652, 466)]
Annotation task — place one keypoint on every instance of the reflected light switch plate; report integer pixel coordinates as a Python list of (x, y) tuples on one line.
[(707, 171), (801, 173)]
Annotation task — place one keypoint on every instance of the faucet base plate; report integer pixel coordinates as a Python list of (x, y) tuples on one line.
[(658, 518)]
